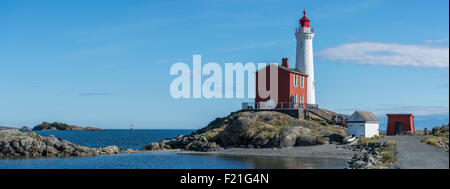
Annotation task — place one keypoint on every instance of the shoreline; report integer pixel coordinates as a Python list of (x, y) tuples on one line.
[(325, 151)]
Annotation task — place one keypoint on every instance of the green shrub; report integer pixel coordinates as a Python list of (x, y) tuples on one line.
[(444, 135), (392, 142), (364, 140), (376, 137), (387, 157)]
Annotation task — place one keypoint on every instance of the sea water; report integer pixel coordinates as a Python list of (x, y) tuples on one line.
[(139, 138)]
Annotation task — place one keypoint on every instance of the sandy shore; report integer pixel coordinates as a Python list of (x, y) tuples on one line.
[(328, 156), (331, 151), (322, 151)]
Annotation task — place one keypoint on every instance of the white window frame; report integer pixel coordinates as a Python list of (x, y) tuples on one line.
[(295, 81), (292, 102), (302, 81)]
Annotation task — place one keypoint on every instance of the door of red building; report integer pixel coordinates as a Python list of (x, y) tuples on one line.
[(398, 128)]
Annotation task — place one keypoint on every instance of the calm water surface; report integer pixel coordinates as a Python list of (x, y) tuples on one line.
[(139, 138)]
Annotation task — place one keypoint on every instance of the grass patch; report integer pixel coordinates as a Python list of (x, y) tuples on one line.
[(319, 129), (212, 133), (432, 140), (365, 140), (387, 157), (390, 146), (387, 153), (443, 135), (436, 139), (266, 129)]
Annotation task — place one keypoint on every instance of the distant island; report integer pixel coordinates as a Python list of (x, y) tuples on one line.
[(57, 126), (5, 127)]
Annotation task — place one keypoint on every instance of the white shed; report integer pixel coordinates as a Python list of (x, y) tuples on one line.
[(363, 125)]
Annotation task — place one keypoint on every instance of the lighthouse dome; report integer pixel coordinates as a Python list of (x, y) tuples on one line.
[(304, 21)]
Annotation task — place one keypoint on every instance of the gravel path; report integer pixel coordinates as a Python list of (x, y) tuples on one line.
[(331, 151), (413, 154)]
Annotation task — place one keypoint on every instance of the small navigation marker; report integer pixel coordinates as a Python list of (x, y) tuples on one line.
[(131, 129)]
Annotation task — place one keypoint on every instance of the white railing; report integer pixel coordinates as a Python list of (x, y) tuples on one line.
[(278, 105), (304, 30)]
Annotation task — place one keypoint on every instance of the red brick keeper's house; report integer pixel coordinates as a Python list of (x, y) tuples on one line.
[(291, 88)]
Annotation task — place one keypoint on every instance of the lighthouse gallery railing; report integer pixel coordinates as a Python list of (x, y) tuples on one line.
[(278, 105)]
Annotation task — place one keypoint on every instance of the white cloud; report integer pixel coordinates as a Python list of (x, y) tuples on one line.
[(389, 54), (416, 110), (437, 41)]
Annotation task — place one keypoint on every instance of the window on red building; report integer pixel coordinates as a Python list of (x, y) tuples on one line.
[(301, 82), (295, 81)]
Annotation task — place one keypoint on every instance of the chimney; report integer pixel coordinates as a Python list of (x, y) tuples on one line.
[(284, 62)]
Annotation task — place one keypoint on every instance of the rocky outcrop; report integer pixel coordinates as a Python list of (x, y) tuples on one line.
[(440, 137), (437, 130), (310, 140), (56, 126), (265, 129), (254, 129), (14, 143), (25, 128), (372, 155), (5, 127), (194, 143)]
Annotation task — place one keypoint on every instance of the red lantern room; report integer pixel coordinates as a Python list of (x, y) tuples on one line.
[(304, 21)]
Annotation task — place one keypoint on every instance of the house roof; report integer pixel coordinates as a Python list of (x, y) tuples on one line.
[(287, 69), (363, 116), (292, 70)]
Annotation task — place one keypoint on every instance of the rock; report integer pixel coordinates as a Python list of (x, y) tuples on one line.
[(25, 128), (444, 129), (194, 143), (435, 130), (310, 140), (305, 141), (335, 138), (152, 146), (13, 143), (254, 129), (368, 156), (358, 164), (129, 150), (288, 136), (109, 150), (203, 146)]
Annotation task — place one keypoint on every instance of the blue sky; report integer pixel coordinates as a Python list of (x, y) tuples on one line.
[(106, 63)]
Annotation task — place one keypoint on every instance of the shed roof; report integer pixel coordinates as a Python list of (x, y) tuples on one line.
[(363, 116)]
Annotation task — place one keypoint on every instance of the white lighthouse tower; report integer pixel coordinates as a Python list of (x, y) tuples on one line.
[(304, 58)]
